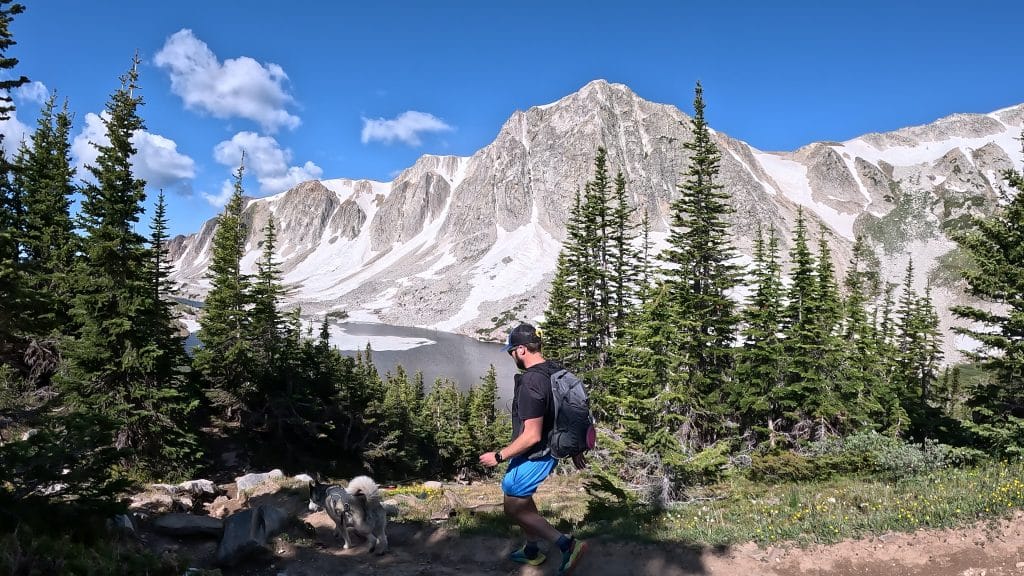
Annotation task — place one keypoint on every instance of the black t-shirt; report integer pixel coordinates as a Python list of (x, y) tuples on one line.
[(531, 398)]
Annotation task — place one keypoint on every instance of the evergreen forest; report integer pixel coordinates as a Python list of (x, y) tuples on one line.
[(698, 366)]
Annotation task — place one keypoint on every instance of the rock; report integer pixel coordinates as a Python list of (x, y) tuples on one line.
[(250, 481), (176, 524), (219, 508), (28, 434), (153, 503), (122, 523), (198, 487), (274, 520), (184, 503), (433, 485), (391, 508), (442, 515), (52, 489), (248, 531), (303, 478)]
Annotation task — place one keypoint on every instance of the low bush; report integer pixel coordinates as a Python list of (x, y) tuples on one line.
[(782, 467), (892, 457), (25, 553)]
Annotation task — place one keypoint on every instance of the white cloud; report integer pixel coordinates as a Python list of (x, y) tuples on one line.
[(265, 158), (33, 92), (81, 147), (238, 87), (159, 162), (13, 132), (227, 188), (156, 160), (405, 128)]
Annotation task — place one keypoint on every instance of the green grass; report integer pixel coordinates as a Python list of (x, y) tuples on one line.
[(827, 512), (740, 511), (44, 555)]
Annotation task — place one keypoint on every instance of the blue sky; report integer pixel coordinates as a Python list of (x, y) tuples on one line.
[(361, 89)]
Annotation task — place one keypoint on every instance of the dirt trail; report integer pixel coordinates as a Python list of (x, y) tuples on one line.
[(419, 550)]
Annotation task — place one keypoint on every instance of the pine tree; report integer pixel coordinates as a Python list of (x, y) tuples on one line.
[(444, 421), (863, 376), (889, 395), (832, 413), (48, 242), (918, 349), (646, 261), (226, 357), (563, 318), (558, 327), (595, 271), (931, 345), (624, 259), (997, 276), (8, 11), (644, 397), (596, 276), (117, 359), (761, 361), (14, 294), (485, 426), (797, 398), (162, 288), (169, 361), (701, 274), (266, 323)]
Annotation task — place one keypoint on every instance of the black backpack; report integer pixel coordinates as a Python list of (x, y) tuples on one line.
[(573, 430)]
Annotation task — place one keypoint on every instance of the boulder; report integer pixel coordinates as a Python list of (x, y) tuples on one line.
[(391, 508), (248, 531), (152, 503), (220, 507), (250, 481), (122, 524), (199, 487), (176, 524)]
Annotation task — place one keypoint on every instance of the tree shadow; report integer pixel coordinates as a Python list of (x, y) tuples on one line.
[(424, 549)]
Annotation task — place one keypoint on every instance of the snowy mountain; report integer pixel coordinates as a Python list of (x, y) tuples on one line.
[(453, 243)]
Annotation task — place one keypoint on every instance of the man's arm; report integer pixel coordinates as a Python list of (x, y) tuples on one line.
[(532, 430)]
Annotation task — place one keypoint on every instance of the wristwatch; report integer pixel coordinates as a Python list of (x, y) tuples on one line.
[(497, 457)]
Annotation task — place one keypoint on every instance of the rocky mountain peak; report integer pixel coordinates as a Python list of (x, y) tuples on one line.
[(453, 242)]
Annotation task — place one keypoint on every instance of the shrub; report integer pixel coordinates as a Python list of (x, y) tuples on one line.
[(782, 467), (893, 457), (26, 553)]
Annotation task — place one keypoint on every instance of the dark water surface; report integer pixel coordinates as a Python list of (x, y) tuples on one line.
[(459, 358), (440, 355)]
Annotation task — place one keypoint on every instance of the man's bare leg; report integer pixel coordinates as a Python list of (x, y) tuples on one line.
[(524, 512)]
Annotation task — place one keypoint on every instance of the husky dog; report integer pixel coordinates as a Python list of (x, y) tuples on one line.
[(356, 507)]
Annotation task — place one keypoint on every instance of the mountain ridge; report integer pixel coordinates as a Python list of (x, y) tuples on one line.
[(454, 242)]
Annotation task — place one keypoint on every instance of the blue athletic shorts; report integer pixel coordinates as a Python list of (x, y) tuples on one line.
[(524, 476)]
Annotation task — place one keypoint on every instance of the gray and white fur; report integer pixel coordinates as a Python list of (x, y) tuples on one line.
[(355, 508)]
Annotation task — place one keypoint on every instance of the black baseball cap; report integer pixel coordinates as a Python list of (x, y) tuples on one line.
[(522, 334)]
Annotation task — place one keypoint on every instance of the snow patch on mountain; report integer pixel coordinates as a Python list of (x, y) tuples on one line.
[(517, 263), (343, 340), (791, 179)]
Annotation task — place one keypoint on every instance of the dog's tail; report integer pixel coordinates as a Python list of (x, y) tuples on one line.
[(364, 486)]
